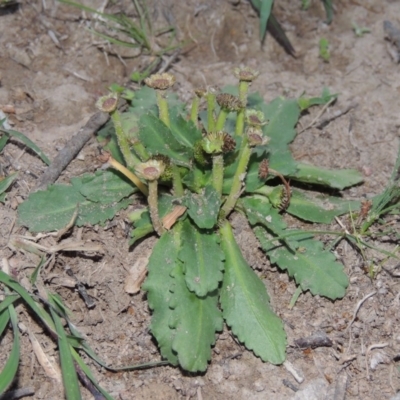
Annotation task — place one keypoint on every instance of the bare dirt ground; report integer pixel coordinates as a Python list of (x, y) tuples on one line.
[(54, 87)]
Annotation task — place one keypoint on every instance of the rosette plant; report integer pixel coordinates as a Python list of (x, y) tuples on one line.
[(228, 151)]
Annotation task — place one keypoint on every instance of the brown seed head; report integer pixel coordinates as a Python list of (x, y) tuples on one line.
[(150, 170), (245, 74), (229, 102), (229, 143), (107, 103), (263, 169), (160, 81)]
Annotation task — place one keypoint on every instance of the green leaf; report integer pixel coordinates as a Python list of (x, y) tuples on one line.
[(11, 367), (283, 115), (307, 102), (158, 285), (329, 10), (158, 139), (202, 259), (265, 11), (4, 138), (281, 160), (53, 208), (196, 179), (7, 182), (203, 208), (108, 140), (36, 308), (246, 307), (312, 267), (27, 142), (336, 179), (69, 375), (9, 299), (183, 130), (320, 209), (105, 187), (197, 320)]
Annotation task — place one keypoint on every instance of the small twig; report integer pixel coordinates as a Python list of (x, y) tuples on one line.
[(336, 114), (298, 375), (370, 348), (324, 108), (359, 304), (70, 150)]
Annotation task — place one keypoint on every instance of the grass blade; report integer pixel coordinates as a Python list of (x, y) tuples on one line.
[(6, 182), (6, 302), (27, 142), (11, 367), (41, 313), (3, 139), (70, 377)]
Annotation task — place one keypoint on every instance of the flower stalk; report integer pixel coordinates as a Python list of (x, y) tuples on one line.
[(238, 179)]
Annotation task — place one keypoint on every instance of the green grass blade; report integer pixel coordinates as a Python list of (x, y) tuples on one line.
[(70, 377), (329, 10), (89, 374), (3, 139), (6, 302), (35, 273), (6, 182), (38, 310), (27, 142), (4, 319), (10, 369)]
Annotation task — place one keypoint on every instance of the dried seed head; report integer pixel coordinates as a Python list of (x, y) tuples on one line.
[(200, 92), (229, 143), (229, 102), (255, 118), (263, 169), (107, 103), (256, 137), (160, 81), (213, 142), (245, 74), (150, 170)]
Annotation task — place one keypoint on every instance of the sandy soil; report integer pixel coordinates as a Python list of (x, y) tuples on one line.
[(53, 88)]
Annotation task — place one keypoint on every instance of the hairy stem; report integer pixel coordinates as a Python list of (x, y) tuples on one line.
[(218, 172), (240, 174), (130, 159), (140, 150), (243, 89), (210, 111), (177, 181), (223, 114), (130, 175), (153, 207)]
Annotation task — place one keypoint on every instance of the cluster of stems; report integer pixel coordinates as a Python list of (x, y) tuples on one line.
[(140, 162)]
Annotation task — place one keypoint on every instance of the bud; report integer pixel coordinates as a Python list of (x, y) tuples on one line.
[(263, 169), (256, 137), (213, 143), (160, 81), (150, 170), (245, 74), (200, 92), (229, 102), (107, 103), (255, 118)]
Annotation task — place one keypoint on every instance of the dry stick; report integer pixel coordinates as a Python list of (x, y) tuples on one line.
[(359, 304), (18, 393), (336, 114), (70, 150)]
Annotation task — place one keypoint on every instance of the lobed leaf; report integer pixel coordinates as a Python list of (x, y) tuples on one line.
[(197, 320), (319, 209), (312, 267), (158, 285), (158, 139), (203, 208), (283, 115), (246, 307), (183, 130), (202, 259), (336, 179)]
